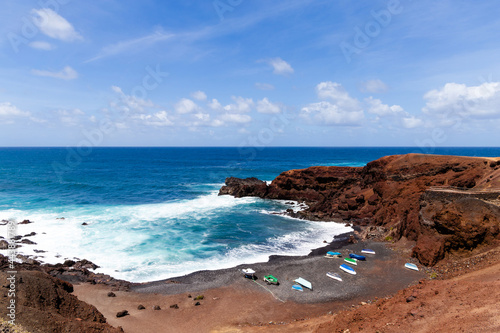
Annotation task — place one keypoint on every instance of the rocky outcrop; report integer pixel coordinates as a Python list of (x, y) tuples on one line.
[(249, 187), (454, 221), (390, 193), (44, 303)]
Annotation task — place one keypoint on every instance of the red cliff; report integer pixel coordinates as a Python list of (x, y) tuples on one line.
[(444, 203)]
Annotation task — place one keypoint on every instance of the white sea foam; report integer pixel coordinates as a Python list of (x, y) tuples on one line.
[(149, 242)]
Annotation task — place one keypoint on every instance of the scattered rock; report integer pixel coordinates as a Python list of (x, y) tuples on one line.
[(27, 241), (410, 299), (25, 222), (141, 307), (30, 234), (4, 245), (156, 307), (85, 223), (111, 294), (39, 251), (68, 263), (175, 306), (189, 296), (122, 314), (197, 303)]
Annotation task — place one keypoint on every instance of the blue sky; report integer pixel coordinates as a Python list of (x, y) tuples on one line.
[(249, 73)]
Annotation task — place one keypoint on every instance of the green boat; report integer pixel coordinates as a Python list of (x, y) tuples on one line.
[(271, 279), (351, 261)]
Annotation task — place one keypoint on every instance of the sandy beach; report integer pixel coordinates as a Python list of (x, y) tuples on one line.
[(231, 299)]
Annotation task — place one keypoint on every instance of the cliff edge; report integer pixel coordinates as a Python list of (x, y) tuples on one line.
[(443, 203)]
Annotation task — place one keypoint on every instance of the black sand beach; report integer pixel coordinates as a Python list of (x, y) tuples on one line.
[(382, 273)]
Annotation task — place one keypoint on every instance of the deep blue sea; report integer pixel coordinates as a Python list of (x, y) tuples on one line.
[(154, 213)]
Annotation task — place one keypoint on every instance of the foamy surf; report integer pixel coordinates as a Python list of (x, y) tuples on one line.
[(157, 241)]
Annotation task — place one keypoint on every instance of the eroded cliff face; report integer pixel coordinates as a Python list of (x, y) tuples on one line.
[(392, 194), (45, 303)]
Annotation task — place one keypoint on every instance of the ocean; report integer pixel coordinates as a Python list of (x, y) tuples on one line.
[(154, 213)]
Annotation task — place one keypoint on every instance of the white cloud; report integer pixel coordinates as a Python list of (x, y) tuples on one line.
[(41, 46), (280, 66), (412, 122), (217, 123), (476, 101), (8, 110), (335, 92), (67, 73), (130, 103), (264, 86), (330, 114), (344, 110), (199, 95), (70, 117), (241, 105), (373, 86), (383, 110), (265, 106), (132, 44), (236, 118), (53, 25), (186, 106), (215, 105), (158, 119)]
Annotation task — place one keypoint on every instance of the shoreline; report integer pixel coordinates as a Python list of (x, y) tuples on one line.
[(372, 276), (230, 300)]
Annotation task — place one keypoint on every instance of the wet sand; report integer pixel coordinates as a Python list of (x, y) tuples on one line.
[(230, 299)]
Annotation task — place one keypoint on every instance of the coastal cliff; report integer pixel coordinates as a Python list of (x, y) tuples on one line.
[(443, 203)]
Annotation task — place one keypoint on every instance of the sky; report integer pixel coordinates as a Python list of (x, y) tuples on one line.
[(249, 73)]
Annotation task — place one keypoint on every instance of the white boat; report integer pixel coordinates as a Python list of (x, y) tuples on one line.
[(248, 272), (334, 276), (304, 282), (367, 251), (411, 266)]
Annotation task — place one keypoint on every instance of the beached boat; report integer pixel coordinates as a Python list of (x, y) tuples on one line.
[(271, 279), (331, 254), (297, 287), (411, 266), (304, 283), (356, 256), (351, 261), (347, 269), (334, 276), (367, 251), (249, 273)]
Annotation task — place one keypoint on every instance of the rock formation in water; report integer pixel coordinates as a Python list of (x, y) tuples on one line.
[(444, 203)]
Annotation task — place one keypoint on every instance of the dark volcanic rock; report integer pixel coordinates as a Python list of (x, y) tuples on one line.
[(244, 187), (122, 313)]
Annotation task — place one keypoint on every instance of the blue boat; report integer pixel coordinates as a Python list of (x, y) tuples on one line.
[(331, 254), (347, 269), (297, 287), (357, 256)]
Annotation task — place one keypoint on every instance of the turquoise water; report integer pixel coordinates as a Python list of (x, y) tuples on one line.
[(154, 213)]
